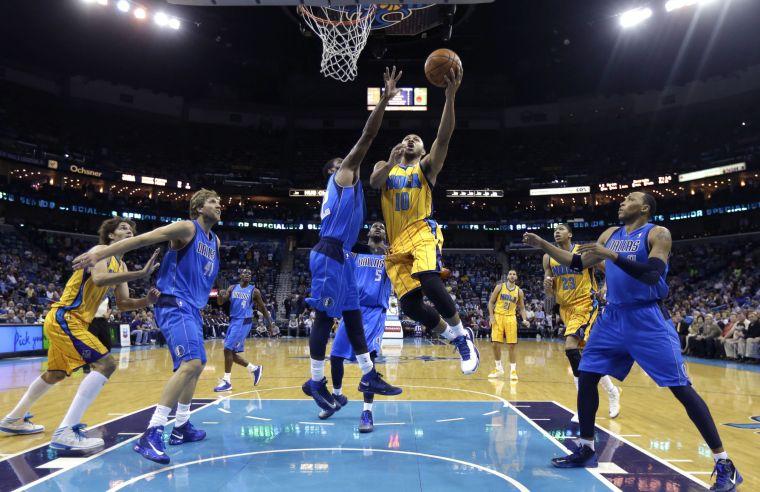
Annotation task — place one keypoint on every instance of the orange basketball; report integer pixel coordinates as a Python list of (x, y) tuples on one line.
[(439, 64)]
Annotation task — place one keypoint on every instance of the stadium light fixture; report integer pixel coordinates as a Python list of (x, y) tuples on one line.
[(140, 13), (123, 6), (634, 17), (174, 23), (161, 19), (88, 1), (672, 5), (104, 3)]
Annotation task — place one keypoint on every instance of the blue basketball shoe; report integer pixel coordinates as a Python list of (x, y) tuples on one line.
[(151, 445), (223, 385), (322, 396), (186, 433), (727, 476), (257, 373), (581, 457), (366, 424), (372, 382), (341, 400)]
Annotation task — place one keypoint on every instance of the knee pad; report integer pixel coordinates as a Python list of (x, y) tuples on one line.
[(574, 356)]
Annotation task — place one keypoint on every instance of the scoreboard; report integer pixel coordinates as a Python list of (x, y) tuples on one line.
[(407, 99)]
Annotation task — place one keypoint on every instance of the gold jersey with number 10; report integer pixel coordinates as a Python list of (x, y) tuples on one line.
[(406, 198)]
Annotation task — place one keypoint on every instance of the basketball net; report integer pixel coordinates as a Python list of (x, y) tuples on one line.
[(344, 32)]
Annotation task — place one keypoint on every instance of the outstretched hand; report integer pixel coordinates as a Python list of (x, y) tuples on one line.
[(453, 81), (152, 264), (396, 154), (391, 79)]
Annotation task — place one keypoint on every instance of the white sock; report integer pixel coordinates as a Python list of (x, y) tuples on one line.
[(160, 416), (87, 392), (451, 332), (338, 391), (368, 406), (606, 383), (227, 377), (182, 415), (720, 456), (575, 379), (499, 367), (317, 370), (251, 367), (35, 391), (365, 362), (513, 366), (586, 442)]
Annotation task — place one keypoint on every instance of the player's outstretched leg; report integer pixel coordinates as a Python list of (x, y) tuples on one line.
[(18, 421), (316, 386), (613, 393), (366, 421), (337, 370), (69, 437), (727, 477), (412, 305), (583, 453)]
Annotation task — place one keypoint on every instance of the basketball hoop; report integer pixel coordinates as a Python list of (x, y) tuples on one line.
[(344, 32)]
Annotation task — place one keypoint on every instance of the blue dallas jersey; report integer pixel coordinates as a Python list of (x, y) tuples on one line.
[(342, 212), (372, 280), (241, 300), (189, 273), (622, 289)]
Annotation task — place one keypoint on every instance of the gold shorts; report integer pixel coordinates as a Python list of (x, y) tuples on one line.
[(71, 343), (504, 329), (416, 250), (579, 318)]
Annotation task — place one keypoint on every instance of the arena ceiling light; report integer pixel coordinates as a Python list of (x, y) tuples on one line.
[(174, 23), (123, 6), (634, 17), (161, 19), (102, 2), (140, 13)]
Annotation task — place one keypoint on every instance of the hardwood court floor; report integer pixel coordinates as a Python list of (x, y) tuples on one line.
[(651, 418)]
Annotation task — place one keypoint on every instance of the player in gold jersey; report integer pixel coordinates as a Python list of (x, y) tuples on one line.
[(413, 262), (73, 346), (576, 294), (503, 304)]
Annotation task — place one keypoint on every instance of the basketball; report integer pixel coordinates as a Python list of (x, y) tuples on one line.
[(439, 63)]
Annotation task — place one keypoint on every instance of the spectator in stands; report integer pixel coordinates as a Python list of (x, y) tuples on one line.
[(735, 343), (752, 351), (695, 333), (136, 329), (682, 328)]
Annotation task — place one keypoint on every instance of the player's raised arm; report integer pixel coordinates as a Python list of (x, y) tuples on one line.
[(587, 257), (182, 231), (433, 162), (383, 168), (126, 303), (103, 278), (348, 173), (224, 295), (660, 243)]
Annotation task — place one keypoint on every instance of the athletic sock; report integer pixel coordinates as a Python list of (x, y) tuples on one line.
[(183, 414), (513, 366), (317, 370), (368, 406), (251, 367), (451, 332), (35, 391), (227, 377), (338, 391), (575, 379), (365, 362), (586, 442), (716, 456), (607, 385), (87, 392), (499, 367), (160, 416)]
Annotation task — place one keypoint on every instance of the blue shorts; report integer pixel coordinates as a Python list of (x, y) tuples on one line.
[(333, 279), (182, 326), (373, 319), (622, 336), (237, 333)]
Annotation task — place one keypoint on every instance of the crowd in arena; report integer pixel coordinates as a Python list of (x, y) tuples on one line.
[(714, 300)]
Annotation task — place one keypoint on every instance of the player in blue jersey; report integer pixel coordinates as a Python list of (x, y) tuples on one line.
[(634, 327), (333, 283), (187, 273), (241, 298), (374, 292)]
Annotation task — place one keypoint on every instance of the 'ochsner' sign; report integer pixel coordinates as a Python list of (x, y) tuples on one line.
[(83, 170)]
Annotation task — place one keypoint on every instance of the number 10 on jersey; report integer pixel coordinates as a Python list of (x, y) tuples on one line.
[(402, 201)]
